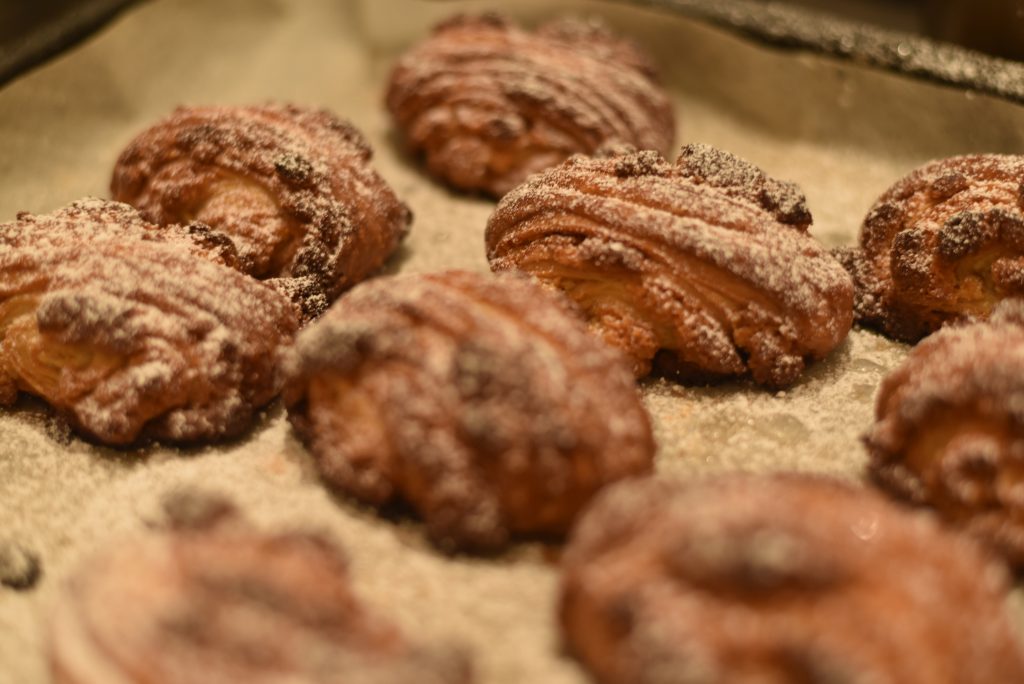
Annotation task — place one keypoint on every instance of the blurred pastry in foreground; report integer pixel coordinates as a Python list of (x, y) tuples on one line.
[(479, 401), (292, 187), (703, 268), (225, 604), (949, 430), (487, 103), (131, 331), (943, 244), (779, 578)]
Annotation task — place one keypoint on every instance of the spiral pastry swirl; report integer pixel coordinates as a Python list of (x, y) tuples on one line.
[(779, 578), (134, 331), (704, 266), (949, 430), (479, 401), (943, 244), (487, 103), (292, 187), (226, 604)]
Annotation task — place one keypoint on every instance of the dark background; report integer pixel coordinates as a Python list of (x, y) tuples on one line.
[(33, 30)]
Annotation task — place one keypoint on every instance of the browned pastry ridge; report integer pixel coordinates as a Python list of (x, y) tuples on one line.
[(292, 187), (704, 267), (133, 331), (783, 579), (945, 243), (487, 103), (228, 604), (949, 428), (479, 401)]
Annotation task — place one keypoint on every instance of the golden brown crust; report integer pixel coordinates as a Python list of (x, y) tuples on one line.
[(133, 331), (705, 264), (949, 430), (479, 401), (488, 104), (292, 187), (779, 578), (228, 604), (943, 244)]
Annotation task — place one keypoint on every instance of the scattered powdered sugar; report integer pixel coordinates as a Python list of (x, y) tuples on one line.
[(63, 498)]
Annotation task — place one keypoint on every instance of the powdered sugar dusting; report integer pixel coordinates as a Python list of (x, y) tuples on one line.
[(739, 576), (293, 188), (130, 330), (696, 243), (487, 389), (943, 244), (226, 603), (950, 427), (66, 122)]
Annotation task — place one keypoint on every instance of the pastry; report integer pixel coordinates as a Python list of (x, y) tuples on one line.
[(130, 331), (487, 103), (703, 268), (949, 428), (783, 579), (943, 244), (292, 187), (226, 603), (478, 401)]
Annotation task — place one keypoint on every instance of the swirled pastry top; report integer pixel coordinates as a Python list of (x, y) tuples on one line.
[(478, 400), (707, 259), (949, 430), (292, 187), (133, 331), (230, 605), (945, 243), (779, 578), (488, 103)]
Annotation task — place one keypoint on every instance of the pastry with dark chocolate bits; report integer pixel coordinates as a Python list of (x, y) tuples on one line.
[(702, 269), (779, 578), (944, 244), (131, 331), (292, 187), (223, 604), (478, 401), (949, 428), (487, 103)]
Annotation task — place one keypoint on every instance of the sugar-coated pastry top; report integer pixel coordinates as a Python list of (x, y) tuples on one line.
[(949, 430), (779, 578), (488, 103), (945, 243), (292, 187), (228, 604), (704, 266), (479, 401), (131, 331)]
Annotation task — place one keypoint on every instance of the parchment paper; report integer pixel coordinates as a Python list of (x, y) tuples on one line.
[(844, 132)]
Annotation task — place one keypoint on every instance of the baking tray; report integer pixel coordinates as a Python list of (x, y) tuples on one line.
[(842, 129)]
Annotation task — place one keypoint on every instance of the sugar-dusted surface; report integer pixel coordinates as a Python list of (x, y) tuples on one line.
[(844, 135), (487, 103), (706, 261), (480, 401), (293, 187)]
